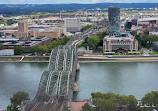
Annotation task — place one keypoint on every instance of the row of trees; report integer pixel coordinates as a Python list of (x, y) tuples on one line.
[(145, 40), (103, 102), (116, 102), (86, 28), (95, 42), (113, 102)]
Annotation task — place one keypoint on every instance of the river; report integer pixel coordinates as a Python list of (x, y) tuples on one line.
[(122, 78)]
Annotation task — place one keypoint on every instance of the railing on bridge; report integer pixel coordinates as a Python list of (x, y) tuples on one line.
[(59, 71), (57, 81)]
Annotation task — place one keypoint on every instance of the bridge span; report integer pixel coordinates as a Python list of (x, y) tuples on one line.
[(57, 82)]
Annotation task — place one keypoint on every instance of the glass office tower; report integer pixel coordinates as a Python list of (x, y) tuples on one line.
[(114, 20)]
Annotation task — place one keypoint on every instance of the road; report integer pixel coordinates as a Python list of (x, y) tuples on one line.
[(94, 30)]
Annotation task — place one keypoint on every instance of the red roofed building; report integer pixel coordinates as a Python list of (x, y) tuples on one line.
[(77, 105)]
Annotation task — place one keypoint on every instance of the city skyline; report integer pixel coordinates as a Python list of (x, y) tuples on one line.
[(72, 1)]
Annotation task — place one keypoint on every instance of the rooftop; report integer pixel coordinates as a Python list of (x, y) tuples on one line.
[(120, 36), (77, 105), (21, 43)]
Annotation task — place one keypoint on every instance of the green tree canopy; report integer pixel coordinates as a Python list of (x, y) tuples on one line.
[(86, 28), (93, 42), (19, 50), (113, 102), (39, 49), (1, 46), (16, 100), (18, 97), (151, 98), (87, 107)]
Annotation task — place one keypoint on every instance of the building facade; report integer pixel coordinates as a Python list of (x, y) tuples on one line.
[(51, 34), (114, 20), (35, 41), (73, 25), (7, 52), (22, 26), (120, 43), (23, 31)]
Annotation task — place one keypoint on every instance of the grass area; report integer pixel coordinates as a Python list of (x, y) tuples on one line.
[(10, 58), (153, 53), (123, 53)]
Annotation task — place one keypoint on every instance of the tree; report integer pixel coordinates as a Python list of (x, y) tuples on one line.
[(146, 32), (101, 36), (134, 33), (151, 98), (87, 107), (18, 97), (19, 50), (100, 49), (132, 103), (34, 49), (93, 41), (1, 46), (86, 28), (12, 108), (16, 100), (114, 102), (39, 50)]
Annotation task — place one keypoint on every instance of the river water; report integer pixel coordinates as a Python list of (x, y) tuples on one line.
[(123, 78)]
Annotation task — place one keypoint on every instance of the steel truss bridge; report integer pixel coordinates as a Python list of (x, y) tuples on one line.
[(57, 83)]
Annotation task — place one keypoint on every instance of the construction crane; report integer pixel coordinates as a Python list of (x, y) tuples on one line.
[(149, 25)]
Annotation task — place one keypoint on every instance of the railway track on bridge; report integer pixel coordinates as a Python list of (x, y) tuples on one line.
[(57, 82)]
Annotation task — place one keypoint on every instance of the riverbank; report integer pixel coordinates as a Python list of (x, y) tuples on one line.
[(85, 59), (25, 59), (117, 58)]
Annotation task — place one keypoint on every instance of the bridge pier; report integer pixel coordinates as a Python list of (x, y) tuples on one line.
[(78, 67), (75, 87)]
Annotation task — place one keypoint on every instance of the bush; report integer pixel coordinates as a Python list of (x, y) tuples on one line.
[(152, 53), (18, 50), (87, 107), (113, 102), (109, 53)]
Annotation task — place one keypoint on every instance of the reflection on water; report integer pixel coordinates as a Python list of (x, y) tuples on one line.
[(123, 78), (19, 77)]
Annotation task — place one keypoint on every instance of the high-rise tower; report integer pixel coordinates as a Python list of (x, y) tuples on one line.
[(23, 30), (114, 20)]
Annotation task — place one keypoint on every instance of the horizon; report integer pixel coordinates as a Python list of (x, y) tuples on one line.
[(75, 3), (72, 1)]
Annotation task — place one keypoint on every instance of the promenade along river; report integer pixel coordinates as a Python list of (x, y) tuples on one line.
[(123, 78)]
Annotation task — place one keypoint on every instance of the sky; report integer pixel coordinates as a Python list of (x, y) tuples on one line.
[(73, 1)]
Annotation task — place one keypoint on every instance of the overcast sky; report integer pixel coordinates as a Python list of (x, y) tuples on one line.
[(72, 1)]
